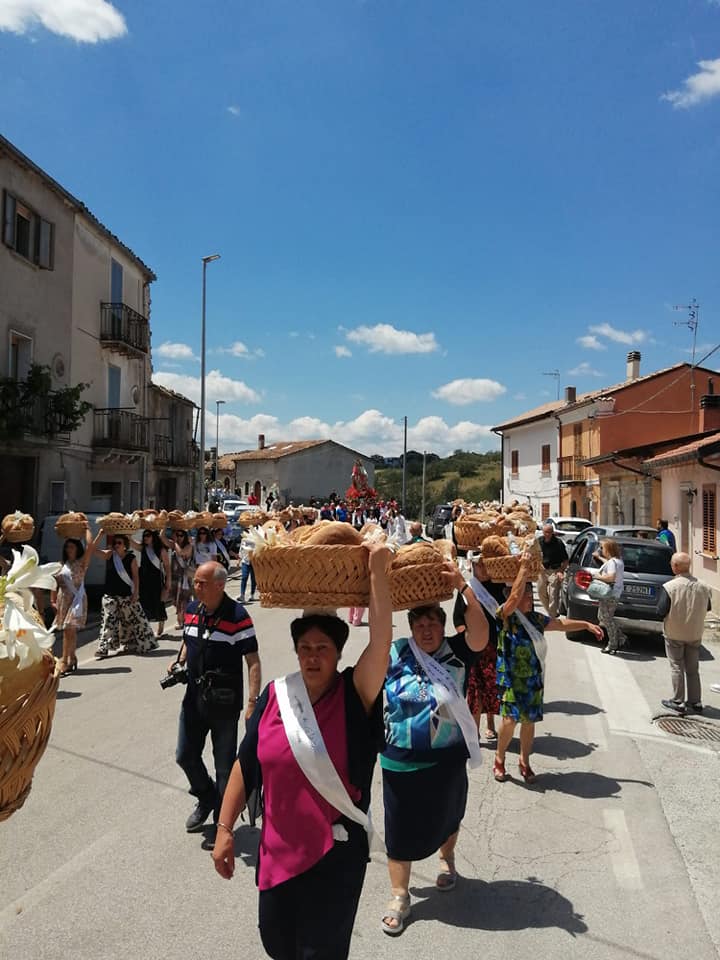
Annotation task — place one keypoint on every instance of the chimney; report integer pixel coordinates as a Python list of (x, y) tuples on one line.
[(633, 365), (709, 412), (261, 441), (570, 394)]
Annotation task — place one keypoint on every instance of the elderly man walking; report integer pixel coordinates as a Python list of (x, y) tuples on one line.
[(689, 601), (555, 560)]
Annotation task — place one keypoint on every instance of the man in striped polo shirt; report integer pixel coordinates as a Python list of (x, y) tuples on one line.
[(218, 634)]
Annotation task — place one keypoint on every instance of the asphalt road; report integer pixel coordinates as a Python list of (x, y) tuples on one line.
[(612, 854)]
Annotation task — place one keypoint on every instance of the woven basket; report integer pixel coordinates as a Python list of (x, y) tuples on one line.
[(505, 569), (252, 518), (219, 521), (152, 519), (177, 521), (18, 527), (71, 526), (119, 525), (470, 534), (417, 584), (25, 721), (320, 575)]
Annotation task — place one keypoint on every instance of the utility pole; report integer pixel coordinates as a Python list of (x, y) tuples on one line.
[(422, 510), (693, 319), (404, 473)]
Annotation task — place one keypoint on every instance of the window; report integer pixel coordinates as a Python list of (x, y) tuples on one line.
[(19, 356), (57, 496), (544, 511), (545, 460), (514, 462), (709, 505), (134, 494), (27, 233)]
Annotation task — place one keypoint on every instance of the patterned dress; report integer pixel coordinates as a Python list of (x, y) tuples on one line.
[(66, 616), (519, 673)]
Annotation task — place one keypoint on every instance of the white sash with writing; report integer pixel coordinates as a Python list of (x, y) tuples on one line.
[(77, 593), (122, 572), (484, 596), (223, 550), (447, 693), (308, 747), (538, 639)]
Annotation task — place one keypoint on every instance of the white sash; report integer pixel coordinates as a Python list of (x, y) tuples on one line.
[(484, 596), (308, 747), (152, 557), (204, 552), (538, 639), (122, 572), (78, 593), (447, 693), (183, 564)]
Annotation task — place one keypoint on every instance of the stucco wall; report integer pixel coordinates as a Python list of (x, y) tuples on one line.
[(530, 484)]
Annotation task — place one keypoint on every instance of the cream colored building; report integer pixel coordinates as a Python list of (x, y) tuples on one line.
[(76, 299)]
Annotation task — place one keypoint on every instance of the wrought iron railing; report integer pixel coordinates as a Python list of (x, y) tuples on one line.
[(571, 469), (166, 452), (115, 427), (123, 326)]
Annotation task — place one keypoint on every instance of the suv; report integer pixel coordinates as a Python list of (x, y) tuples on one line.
[(435, 527), (647, 568)]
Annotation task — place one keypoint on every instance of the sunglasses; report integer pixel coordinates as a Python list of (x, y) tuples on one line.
[(118, 543)]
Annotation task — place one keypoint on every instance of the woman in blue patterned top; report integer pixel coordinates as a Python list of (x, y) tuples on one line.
[(520, 668), (429, 734)]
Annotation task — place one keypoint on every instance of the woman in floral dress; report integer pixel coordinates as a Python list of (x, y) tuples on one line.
[(520, 668), (70, 599)]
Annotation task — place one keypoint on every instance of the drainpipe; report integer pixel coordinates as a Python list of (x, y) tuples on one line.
[(499, 433), (556, 417), (710, 466)]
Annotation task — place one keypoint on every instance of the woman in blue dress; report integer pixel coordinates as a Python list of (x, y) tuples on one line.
[(520, 668)]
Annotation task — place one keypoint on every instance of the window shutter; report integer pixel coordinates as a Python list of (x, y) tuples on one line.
[(9, 220), (709, 519), (45, 245)]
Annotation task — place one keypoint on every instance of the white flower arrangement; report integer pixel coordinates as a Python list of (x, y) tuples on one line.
[(21, 636)]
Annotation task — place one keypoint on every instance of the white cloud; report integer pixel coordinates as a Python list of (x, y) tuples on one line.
[(86, 21), (591, 342), (519, 396), (698, 87), (341, 351), (217, 387), (630, 337), (173, 351), (370, 432), (234, 110), (384, 338), (585, 370), (463, 392), (238, 349)]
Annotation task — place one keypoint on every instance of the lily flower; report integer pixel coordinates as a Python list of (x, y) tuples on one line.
[(27, 572), (22, 637)]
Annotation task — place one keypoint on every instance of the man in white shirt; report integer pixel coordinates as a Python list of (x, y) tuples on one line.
[(689, 601)]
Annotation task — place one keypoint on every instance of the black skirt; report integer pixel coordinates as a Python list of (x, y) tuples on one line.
[(423, 808)]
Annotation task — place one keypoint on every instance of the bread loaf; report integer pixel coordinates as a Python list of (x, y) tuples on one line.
[(334, 532)]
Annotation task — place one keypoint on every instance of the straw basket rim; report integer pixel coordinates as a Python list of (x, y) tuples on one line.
[(505, 569), (300, 575), (418, 584)]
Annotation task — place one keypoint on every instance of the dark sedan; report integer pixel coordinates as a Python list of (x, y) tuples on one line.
[(647, 568)]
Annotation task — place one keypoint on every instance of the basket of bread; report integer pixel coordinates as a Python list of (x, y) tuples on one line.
[(416, 574), (324, 565), (474, 526), (152, 519), (28, 677), (18, 527), (71, 525), (502, 555), (219, 520), (253, 518), (119, 523)]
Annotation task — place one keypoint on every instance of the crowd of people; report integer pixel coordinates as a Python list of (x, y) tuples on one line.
[(312, 738)]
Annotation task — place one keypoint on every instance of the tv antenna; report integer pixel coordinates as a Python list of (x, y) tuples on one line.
[(693, 319), (556, 375)]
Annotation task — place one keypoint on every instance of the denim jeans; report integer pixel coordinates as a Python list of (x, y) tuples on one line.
[(197, 719), (247, 571)]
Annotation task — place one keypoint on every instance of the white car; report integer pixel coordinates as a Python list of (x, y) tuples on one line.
[(567, 528)]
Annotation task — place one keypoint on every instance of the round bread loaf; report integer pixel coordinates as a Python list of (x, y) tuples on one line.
[(334, 532)]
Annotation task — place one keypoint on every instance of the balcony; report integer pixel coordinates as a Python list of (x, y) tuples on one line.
[(123, 330), (571, 470), (120, 429), (45, 416), (168, 453)]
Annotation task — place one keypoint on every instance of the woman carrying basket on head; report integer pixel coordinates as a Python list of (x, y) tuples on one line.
[(182, 569), (520, 668), (311, 745), (70, 599), (124, 624)]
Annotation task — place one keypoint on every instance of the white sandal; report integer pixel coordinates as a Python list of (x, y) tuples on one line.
[(398, 908)]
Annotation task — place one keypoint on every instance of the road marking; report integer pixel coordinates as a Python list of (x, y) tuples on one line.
[(622, 853), (626, 709)]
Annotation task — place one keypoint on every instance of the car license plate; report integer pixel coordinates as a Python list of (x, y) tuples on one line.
[(639, 590)]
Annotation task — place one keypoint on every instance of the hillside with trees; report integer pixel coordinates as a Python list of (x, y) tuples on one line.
[(472, 476)]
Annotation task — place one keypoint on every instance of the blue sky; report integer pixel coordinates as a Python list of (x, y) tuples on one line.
[(422, 206)]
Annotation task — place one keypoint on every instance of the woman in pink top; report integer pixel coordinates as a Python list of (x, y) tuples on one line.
[(312, 859)]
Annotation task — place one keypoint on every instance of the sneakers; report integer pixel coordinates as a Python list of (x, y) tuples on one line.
[(196, 821), (694, 707), (715, 687), (676, 705)]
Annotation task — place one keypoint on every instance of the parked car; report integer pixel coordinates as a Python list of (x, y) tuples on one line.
[(566, 529), (435, 527), (627, 530), (232, 508), (647, 568)]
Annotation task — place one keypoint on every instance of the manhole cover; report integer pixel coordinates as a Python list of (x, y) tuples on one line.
[(690, 727)]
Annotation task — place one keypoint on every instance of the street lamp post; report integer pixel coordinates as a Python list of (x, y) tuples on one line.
[(217, 441), (201, 496)]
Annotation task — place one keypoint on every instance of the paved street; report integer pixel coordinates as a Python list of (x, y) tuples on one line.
[(612, 854)]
